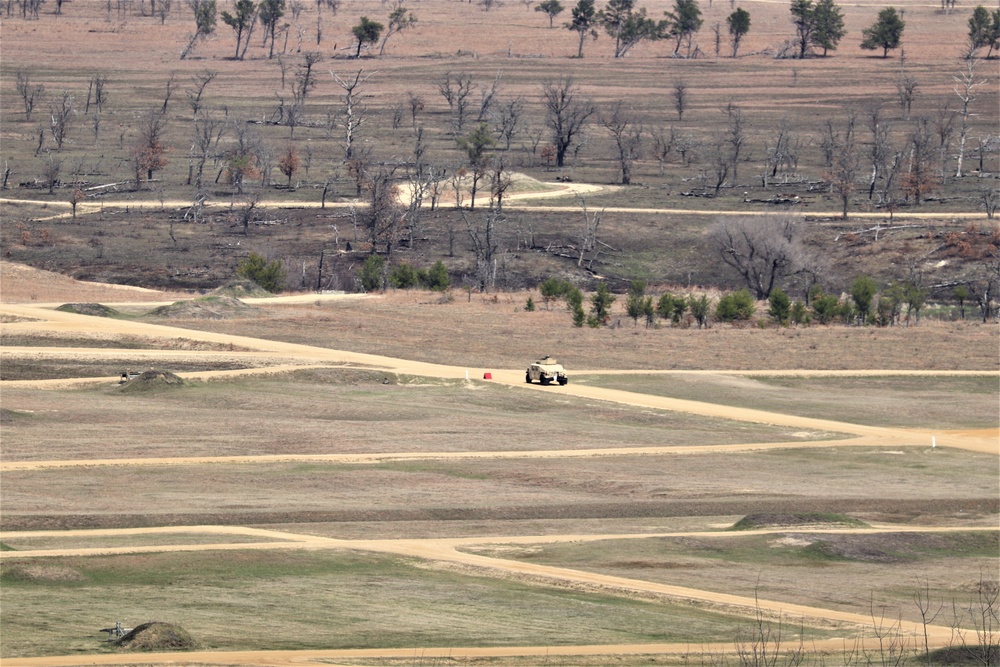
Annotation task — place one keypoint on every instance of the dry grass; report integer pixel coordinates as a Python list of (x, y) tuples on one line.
[(136, 247), (253, 600), (806, 568), (496, 331)]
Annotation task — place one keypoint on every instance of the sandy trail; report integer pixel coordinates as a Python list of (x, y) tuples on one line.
[(52, 320), (551, 191), (449, 551)]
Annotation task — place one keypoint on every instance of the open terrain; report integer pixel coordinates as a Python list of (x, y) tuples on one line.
[(421, 513), (170, 233), (329, 478)]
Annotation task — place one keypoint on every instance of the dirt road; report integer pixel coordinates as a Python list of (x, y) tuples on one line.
[(454, 552), (449, 552), (44, 319)]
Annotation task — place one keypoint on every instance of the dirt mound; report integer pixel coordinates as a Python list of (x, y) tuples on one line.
[(150, 381), (241, 289), (156, 636), (94, 309), (207, 308), (758, 521)]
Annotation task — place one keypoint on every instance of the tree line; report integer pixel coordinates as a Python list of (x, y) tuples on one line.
[(818, 25)]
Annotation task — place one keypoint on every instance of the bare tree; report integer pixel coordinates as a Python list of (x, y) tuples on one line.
[(762, 643), (149, 152), (891, 646), (247, 211), (779, 154), (588, 239), (989, 197), (95, 92), (906, 90), (719, 163), (163, 10), (507, 120), (485, 237), (420, 177), (500, 180), (207, 133), (763, 251), (880, 148), (416, 106), (201, 82), (663, 145), (944, 128), (680, 98), (169, 92), (61, 114), (846, 162), (456, 91), (51, 169), (919, 177), (928, 614), (487, 96), (566, 115), (627, 131), (354, 113), (735, 137), (382, 218), (243, 160), (28, 92), (984, 285), (967, 83)]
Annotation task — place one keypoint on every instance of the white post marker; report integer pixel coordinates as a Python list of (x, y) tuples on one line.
[(466, 376), (933, 442)]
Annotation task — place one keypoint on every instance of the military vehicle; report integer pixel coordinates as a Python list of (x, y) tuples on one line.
[(546, 370)]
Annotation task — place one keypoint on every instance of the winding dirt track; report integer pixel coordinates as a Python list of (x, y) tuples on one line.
[(446, 551)]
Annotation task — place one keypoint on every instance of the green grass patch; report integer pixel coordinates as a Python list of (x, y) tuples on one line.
[(785, 549), (301, 600), (759, 521), (956, 656), (92, 309)]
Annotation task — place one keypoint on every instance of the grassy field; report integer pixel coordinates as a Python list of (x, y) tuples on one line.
[(811, 568), (303, 600), (495, 330), (248, 595), (918, 402), (256, 599)]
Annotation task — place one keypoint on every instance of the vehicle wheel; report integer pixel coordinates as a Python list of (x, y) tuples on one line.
[(563, 380), (527, 378), (545, 380)]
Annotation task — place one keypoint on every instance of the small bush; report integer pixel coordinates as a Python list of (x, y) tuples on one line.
[(553, 288), (372, 275), (403, 276), (270, 275), (735, 306), (436, 278), (600, 305), (799, 314), (699, 309), (779, 307), (825, 307), (530, 305), (574, 301)]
